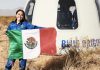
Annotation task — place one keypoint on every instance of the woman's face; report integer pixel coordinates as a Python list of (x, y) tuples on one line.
[(19, 16)]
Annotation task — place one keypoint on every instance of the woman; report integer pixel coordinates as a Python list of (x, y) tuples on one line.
[(20, 23)]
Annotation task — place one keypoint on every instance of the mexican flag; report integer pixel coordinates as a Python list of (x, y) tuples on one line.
[(28, 44)]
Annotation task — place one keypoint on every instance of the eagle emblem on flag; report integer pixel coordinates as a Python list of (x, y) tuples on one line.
[(31, 43)]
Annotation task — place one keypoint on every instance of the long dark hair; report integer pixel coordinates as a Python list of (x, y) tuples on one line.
[(24, 18)]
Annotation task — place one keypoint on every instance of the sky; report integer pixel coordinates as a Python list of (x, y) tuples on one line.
[(12, 4)]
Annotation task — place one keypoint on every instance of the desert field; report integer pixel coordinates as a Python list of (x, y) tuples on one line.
[(72, 60)]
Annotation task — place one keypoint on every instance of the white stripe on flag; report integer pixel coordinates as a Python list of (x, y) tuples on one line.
[(32, 35)]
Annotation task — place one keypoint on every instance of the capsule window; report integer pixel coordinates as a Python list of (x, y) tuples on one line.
[(29, 10), (98, 7), (67, 15)]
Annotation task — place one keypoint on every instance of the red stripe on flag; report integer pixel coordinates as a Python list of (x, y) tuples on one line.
[(48, 41)]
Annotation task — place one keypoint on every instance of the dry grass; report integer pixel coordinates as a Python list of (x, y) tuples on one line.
[(87, 59), (47, 62), (4, 22), (73, 60)]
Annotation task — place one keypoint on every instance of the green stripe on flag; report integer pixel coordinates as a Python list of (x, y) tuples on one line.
[(15, 44)]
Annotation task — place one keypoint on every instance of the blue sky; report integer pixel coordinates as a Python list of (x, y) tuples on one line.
[(12, 4)]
